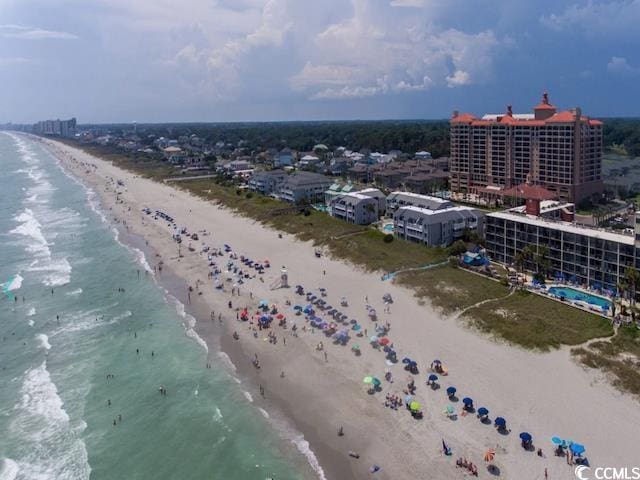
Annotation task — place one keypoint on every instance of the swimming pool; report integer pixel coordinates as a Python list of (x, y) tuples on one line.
[(578, 295), (388, 228)]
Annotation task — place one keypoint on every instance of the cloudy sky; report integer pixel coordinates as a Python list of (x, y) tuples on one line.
[(230, 60)]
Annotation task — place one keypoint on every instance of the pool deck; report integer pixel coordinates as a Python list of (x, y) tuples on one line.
[(581, 305)]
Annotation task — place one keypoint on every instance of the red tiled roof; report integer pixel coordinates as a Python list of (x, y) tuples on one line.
[(544, 106), (534, 192), (463, 117), (562, 117)]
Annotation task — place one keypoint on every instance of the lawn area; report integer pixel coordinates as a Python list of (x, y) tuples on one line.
[(619, 356), (538, 323), (450, 288)]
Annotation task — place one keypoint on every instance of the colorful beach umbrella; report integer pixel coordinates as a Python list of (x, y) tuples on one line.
[(376, 382), (557, 440), (489, 455), (368, 380), (384, 341), (449, 410), (415, 406)]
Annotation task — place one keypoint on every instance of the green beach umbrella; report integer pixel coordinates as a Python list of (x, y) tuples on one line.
[(449, 410), (368, 380), (415, 406), (376, 382)]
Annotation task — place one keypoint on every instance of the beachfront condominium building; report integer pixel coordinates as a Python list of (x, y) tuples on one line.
[(584, 255), (266, 182), (303, 186), (434, 228), (354, 207), (59, 128), (561, 151), (396, 200)]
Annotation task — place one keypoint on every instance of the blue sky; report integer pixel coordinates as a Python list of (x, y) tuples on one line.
[(232, 60)]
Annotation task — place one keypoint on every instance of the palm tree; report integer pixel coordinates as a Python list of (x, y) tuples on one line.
[(522, 257), (632, 279), (542, 262)]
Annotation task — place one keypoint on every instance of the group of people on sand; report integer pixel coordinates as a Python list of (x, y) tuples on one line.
[(463, 463), (392, 401)]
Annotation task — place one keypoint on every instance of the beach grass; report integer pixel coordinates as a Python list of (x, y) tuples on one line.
[(537, 323), (363, 246), (452, 289), (618, 356)]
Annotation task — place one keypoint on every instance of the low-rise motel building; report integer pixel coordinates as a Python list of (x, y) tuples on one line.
[(589, 257)]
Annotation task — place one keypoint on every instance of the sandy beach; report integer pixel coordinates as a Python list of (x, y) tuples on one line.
[(545, 394)]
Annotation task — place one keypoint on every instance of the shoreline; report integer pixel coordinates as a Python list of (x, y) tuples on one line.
[(221, 349), (319, 396)]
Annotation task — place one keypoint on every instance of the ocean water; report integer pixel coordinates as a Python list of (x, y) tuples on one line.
[(65, 326)]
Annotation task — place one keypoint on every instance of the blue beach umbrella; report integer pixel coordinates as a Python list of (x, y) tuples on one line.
[(433, 377), (451, 391), (577, 449), (556, 440), (467, 401), (264, 302), (483, 412), (500, 422), (297, 307), (526, 437), (406, 360), (357, 327)]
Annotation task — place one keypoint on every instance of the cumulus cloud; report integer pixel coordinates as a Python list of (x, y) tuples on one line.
[(375, 54), (620, 66), (33, 33), (617, 17)]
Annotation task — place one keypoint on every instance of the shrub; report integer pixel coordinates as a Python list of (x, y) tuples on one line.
[(238, 191), (307, 212), (388, 238), (249, 195), (458, 248)]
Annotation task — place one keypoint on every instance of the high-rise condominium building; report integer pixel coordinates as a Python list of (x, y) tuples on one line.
[(561, 151)]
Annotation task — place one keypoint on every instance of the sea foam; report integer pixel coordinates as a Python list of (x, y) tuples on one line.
[(44, 341), (54, 451)]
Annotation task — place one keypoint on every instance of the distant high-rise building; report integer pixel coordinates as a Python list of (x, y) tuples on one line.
[(561, 151), (59, 128)]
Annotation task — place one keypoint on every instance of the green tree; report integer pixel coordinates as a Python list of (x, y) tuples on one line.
[(458, 248), (542, 263)]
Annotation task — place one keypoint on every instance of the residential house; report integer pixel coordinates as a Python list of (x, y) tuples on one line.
[(174, 154)]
